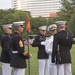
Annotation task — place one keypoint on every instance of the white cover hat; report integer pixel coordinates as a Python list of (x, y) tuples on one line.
[(42, 27), (60, 22), (19, 23), (7, 26), (52, 27)]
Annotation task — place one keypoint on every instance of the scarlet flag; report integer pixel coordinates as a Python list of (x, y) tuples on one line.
[(28, 28)]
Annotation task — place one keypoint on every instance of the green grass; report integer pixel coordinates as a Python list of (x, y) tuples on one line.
[(73, 59), (34, 61)]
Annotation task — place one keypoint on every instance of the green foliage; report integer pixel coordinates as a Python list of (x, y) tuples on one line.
[(36, 22), (71, 24), (52, 20), (11, 15), (67, 14), (66, 10)]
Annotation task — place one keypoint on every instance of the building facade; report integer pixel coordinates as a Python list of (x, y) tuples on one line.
[(37, 7)]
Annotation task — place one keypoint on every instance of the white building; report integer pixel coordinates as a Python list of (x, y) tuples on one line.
[(37, 7)]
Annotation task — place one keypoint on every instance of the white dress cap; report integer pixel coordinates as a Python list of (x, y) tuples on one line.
[(52, 27), (19, 23), (7, 26), (42, 27), (60, 22)]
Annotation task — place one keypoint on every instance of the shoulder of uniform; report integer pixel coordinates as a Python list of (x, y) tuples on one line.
[(37, 36), (5, 36), (16, 36), (2, 37), (56, 34)]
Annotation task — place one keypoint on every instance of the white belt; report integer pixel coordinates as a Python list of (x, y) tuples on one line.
[(14, 51)]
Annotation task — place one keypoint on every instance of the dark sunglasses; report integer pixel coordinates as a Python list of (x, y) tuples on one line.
[(10, 28), (22, 26)]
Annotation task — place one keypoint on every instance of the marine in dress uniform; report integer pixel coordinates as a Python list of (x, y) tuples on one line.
[(5, 54), (19, 56), (49, 47), (61, 49), (43, 57)]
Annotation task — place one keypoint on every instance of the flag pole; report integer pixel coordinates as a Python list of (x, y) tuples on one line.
[(28, 30), (28, 53)]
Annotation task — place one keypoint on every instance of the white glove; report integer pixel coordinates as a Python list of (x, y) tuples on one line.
[(43, 43)]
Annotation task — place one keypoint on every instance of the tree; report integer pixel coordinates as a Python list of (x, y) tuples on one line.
[(67, 10), (36, 23), (11, 15), (71, 24), (52, 20), (67, 14)]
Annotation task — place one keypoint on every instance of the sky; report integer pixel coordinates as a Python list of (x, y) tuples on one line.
[(5, 4)]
